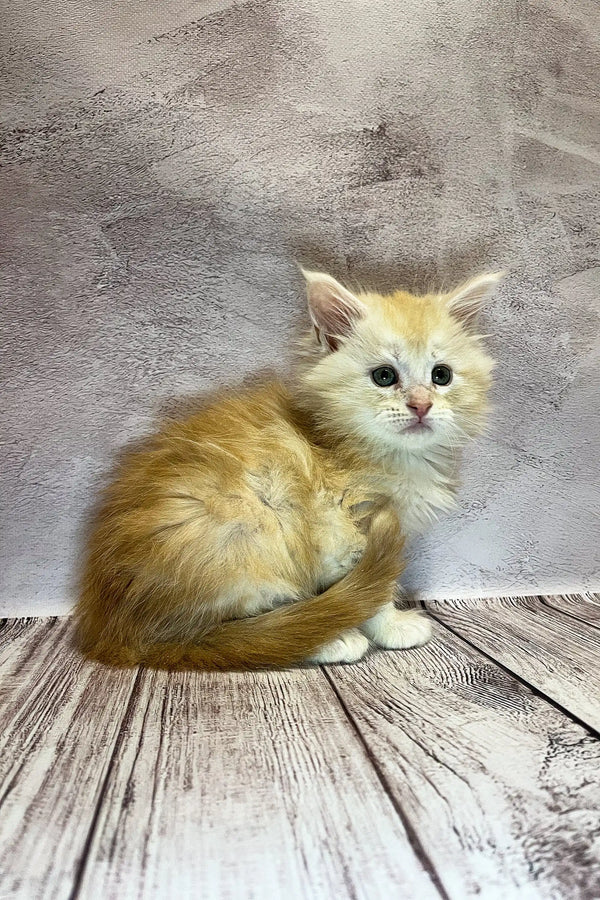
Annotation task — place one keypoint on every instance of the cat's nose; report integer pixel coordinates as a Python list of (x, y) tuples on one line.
[(420, 407)]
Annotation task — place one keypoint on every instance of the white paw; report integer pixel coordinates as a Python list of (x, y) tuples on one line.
[(348, 648), (398, 629)]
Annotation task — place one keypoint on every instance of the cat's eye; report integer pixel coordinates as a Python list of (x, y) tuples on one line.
[(384, 376), (441, 375)]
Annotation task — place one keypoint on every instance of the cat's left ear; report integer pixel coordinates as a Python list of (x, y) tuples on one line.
[(333, 308), (467, 301)]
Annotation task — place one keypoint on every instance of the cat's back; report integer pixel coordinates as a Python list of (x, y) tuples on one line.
[(235, 435), (214, 458), (208, 490), (242, 420)]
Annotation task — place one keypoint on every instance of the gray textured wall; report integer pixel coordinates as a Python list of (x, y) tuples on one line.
[(164, 163)]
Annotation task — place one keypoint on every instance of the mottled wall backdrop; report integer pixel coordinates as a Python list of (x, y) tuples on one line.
[(164, 164)]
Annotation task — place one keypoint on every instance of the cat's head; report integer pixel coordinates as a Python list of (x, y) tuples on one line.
[(396, 371)]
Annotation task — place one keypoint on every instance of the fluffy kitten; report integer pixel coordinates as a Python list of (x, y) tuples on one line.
[(266, 530)]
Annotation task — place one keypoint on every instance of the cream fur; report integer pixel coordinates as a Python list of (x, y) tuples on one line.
[(411, 333), (258, 531)]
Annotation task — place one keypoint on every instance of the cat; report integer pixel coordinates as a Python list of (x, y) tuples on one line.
[(267, 529)]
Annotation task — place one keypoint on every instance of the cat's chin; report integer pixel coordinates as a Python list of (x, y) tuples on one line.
[(418, 438)]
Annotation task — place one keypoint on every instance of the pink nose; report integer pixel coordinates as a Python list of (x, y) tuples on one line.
[(421, 409)]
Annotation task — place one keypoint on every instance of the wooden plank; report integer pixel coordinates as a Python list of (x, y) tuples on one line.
[(500, 787), (233, 785), (59, 722), (554, 652), (581, 606)]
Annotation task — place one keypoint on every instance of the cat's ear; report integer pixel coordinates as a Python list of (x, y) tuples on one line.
[(333, 309), (467, 301)]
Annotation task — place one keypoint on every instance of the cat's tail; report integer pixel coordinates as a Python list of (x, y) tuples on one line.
[(289, 634)]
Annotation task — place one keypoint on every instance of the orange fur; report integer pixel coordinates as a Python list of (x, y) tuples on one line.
[(265, 526), (286, 635)]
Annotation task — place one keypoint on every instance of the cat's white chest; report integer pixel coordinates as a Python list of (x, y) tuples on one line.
[(421, 494)]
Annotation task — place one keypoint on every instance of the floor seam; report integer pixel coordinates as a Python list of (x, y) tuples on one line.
[(83, 861), (411, 834), (573, 717)]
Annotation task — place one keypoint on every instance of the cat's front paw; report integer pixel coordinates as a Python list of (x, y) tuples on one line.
[(398, 629), (348, 648)]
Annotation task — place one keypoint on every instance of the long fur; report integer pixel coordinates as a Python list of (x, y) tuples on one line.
[(286, 635), (266, 525)]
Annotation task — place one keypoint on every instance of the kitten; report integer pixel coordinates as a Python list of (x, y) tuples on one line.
[(267, 529)]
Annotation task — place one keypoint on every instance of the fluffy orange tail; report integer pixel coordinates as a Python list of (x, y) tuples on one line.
[(289, 634)]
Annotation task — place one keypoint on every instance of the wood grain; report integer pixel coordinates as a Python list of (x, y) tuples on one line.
[(59, 721), (555, 652), (246, 786), (426, 773), (500, 787)]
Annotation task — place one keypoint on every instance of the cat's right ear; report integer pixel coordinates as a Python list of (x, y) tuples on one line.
[(333, 309), (466, 302)]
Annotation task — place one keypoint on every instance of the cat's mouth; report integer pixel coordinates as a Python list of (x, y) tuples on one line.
[(417, 427)]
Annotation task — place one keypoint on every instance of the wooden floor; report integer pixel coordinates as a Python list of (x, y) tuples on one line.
[(467, 768)]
